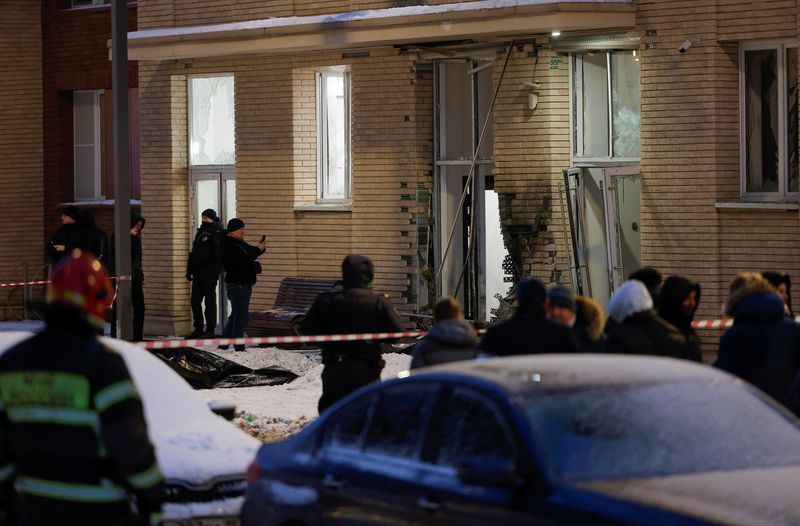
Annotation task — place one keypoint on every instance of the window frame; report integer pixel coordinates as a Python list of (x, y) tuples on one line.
[(782, 195), (322, 134), (98, 146)]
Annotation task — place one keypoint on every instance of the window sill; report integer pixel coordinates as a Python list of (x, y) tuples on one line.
[(754, 205), (324, 207)]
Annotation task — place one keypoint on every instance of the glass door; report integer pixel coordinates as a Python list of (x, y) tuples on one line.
[(214, 188), (623, 220)]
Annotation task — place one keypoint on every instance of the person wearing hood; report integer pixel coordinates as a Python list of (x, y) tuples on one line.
[(588, 327), (137, 278), (528, 331), (65, 239), (239, 261), (679, 300), (92, 239), (639, 330), (763, 345), (354, 309), (783, 284), (203, 269), (451, 338)]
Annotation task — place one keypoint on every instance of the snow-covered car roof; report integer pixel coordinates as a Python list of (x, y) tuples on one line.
[(192, 444), (556, 371)]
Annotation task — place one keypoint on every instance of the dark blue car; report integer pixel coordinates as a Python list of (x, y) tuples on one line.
[(549, 439)]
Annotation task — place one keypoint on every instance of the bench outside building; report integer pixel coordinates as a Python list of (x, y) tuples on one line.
[(295, 296)]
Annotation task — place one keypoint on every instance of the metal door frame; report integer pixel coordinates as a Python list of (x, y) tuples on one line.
[(611, 213)]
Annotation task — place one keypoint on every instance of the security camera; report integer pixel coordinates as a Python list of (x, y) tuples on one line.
[(683, 48)]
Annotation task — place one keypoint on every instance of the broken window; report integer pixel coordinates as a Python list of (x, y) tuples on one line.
[(211, 121)]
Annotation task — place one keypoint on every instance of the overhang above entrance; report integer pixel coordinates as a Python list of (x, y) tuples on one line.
[(485, 19)]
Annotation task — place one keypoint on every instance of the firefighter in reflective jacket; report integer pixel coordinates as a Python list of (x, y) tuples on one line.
[(73, 439)]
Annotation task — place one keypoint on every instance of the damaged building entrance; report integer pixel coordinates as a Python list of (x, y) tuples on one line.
[(468, 243)]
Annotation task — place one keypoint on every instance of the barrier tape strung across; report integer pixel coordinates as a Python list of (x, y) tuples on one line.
[(326, 338), (46, 281)]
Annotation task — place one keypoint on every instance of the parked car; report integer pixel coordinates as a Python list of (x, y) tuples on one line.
[(548, 439), (202, 456)]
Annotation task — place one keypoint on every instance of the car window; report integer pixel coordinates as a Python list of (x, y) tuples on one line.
[(471, 427), (655, 430), (345, 428), (399, 420)]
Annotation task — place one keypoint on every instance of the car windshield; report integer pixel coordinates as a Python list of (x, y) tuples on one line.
[(653, 430)]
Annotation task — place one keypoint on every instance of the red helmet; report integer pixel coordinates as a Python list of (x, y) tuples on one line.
[(81, 281)]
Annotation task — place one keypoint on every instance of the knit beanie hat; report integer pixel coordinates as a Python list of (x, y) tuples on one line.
[(561, 297), (235, 224), (210, 213)]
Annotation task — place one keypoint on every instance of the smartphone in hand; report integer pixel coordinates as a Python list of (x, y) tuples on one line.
[(263, 238)]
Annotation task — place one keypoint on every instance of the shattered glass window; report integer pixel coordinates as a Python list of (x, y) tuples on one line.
[(212, 121), (659, 430)]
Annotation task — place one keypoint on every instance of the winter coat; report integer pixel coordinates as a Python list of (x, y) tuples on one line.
[(137, 272), (448, 341), (91, 238), (205, 259), (356, 309), (588, 328), (675, 290), (238, 260), (763, 346), (639, 330), (527, 333), (51, 386), (67, 235)]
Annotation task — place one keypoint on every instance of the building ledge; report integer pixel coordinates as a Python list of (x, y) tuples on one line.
[(754, 205), (99, 202), (323, 207)]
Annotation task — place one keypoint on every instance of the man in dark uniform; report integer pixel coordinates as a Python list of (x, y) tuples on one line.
[(203, 269), (73, 440), (356, 309), (67, 235), (241, 267)]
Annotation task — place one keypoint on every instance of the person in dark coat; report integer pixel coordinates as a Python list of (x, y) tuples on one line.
[(137, 278), (763, 346), (64, 240), (203, 269), (588, 327), (679, 300), (528, 331), (639, 330), (92, 239), (239, 261), (355, 309), (451, 338), (54, 468), (783, 284)]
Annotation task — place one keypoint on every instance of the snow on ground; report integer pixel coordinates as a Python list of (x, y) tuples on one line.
[(274, 412)]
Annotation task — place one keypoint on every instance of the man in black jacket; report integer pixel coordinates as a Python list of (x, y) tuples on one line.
[(73, 439), (528, 331), (203, 269), (91, 238), (241, 267), (356, 309), (66, 237), (137, 278)]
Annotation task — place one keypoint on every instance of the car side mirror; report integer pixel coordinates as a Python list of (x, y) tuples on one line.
[(489, 471), (224, 409)]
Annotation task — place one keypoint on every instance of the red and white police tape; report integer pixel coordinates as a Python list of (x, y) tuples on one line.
[(46, 281), (327, 338)]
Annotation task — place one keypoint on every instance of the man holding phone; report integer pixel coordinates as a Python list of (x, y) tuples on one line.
[(239, 261)]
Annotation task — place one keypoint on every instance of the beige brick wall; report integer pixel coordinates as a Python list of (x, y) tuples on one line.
[(21, 161), (690, 147), (276, 169)]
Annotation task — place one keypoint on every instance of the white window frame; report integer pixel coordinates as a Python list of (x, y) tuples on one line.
[(782, 195), (97, 145), (322, 139), (576, 129)]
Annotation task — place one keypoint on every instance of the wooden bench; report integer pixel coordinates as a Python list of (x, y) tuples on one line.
[(295, 296)]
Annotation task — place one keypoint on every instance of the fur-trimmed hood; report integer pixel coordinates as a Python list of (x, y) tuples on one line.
[(631, 298), (589, 316)]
